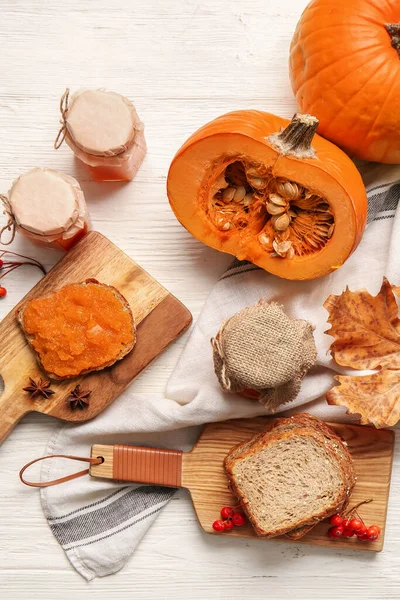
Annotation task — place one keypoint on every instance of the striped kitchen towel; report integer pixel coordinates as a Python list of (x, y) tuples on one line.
[(99, 523)]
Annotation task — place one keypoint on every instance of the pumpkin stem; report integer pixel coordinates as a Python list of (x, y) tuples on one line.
[(394, 32), (296, 138)]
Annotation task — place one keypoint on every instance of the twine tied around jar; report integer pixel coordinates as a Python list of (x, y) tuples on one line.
[(10, 223), (218, 349), (64, 111)]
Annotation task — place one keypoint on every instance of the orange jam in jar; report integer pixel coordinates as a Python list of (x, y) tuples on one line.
[(104, 131), (47, 207)]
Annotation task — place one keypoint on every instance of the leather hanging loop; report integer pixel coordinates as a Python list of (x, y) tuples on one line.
[(93, 461)]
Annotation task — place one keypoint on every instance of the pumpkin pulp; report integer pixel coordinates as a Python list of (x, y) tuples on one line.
[(78, 328), (287, 219)]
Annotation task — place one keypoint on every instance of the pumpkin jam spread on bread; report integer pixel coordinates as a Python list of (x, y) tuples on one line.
[(80, 328)]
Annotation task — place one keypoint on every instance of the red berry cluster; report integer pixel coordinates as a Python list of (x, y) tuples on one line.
[(229, 519), (8, 266), (350, 524)]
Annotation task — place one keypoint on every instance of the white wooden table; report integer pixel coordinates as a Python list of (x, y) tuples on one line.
[(182, 62)]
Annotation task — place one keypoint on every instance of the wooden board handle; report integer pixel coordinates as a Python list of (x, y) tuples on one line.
[(12, 408), (138, 464)]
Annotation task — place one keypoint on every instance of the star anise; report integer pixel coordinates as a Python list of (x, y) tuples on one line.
[(39, 388), (79, 398)]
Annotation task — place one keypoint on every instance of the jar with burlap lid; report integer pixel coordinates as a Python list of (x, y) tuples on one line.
[(104, 131), (47, 207), (262, 353)]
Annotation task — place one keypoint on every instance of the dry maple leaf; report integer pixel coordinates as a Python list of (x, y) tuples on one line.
[(367, 336)]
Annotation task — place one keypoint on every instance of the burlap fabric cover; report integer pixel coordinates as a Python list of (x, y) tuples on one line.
[(262, 349)]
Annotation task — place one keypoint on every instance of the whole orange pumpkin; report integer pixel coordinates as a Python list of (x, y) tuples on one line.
[(345, 70)]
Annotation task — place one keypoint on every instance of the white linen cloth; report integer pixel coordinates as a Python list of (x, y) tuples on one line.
[(99, 523)]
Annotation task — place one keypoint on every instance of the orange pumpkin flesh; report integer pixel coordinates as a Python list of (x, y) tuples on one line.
[(345, 70), (237, 150)]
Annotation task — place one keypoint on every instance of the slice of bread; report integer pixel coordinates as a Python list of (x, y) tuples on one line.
[(337, 445), (287, 479), (121, 350), (244, 446)]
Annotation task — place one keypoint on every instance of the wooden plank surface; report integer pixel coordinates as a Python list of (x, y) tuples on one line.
[(182, 63), (159, 317)]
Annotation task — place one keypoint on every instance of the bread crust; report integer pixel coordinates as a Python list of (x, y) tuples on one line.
[(240, 448), (260, 441), (127, 348)]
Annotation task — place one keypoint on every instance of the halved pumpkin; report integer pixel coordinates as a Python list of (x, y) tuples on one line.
[(251, 184)]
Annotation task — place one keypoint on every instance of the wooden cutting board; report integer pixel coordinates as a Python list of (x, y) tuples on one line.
[(160, 318), (201, 471)]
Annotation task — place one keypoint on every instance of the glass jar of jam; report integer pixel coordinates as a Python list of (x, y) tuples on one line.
[(47, 207), (104, 131)]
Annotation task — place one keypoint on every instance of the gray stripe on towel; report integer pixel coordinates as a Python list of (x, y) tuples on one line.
[(383, 202), (379, 187), (97, 503), (111, 534), (238, 268), (115, 513)]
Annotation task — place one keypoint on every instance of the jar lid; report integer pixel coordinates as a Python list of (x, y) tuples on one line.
[(101, 123), (44, 201)]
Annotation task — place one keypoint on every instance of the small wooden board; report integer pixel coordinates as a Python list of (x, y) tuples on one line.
[(372, 452), (160, 318), (202, 472)]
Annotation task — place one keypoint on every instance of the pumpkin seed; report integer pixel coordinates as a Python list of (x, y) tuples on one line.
[(257, 182), (240, 193), (263, 238), (227, 226), (278, 200), (228, 194), (248, 199), (220, 219), (282, 222), (273, 209), (331, 230), (290, 253), (289, 189), (281, 247)]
